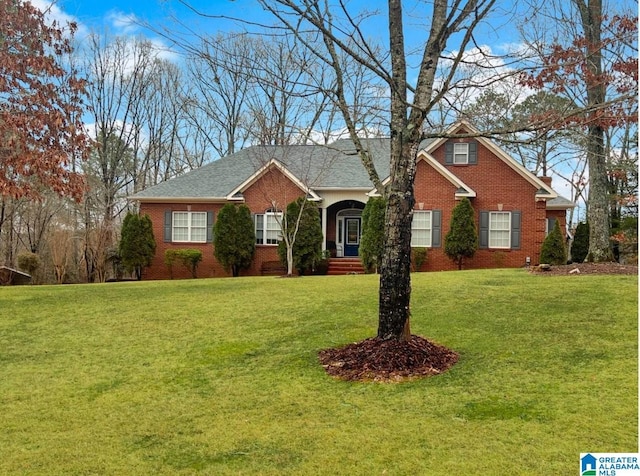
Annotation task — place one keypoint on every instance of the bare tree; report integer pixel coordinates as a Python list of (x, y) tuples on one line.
[(409, 106), (286, 175), (162, 148), (60, 247), (121, 73), (218, 72)]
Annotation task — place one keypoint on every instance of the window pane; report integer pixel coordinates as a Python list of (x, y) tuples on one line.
[(180, 234), (460, 153), (198, 234), (272, 229), (260, 229), (180, 226), (353, 231), (180, 219), (421, 238), (421, 228), (199, 219), (499, 239), (500, 230)]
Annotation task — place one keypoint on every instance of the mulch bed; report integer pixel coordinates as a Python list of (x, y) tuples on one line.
[(394, 361), (387, 360), (587, 268)]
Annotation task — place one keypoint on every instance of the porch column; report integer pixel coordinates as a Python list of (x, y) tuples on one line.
[(324, 228)]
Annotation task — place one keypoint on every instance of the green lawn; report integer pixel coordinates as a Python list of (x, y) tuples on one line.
[(221, 377)]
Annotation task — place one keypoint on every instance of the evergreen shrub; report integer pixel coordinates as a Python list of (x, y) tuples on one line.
[(554, 250), (372, 234), (580, 245), (186, 256)]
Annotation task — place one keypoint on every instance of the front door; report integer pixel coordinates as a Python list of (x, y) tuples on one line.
[(351, 236)]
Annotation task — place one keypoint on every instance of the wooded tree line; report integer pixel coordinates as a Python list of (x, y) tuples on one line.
[(151, 116)]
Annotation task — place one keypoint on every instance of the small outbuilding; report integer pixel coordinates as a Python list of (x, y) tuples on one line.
[(13, 276)]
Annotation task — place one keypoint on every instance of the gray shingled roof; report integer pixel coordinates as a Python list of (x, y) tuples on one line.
[(334, 166), (560, 202)]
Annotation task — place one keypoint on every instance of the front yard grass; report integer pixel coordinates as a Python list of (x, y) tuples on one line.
[(221, 377)]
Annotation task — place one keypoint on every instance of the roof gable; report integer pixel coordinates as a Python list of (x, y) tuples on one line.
[(236, 193), (462, 189), (543, 190)]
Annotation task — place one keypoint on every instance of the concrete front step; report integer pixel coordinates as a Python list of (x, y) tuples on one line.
[(345, 266)]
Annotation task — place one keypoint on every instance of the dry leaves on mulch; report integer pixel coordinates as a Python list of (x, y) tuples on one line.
[(588, 268), (387, 360)]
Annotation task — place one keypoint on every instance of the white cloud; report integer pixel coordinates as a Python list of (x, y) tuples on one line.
[(123, 23)]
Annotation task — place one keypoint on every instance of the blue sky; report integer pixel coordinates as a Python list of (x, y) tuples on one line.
[(115, 15)]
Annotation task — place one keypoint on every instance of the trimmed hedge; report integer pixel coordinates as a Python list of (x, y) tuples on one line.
[(187, 256)]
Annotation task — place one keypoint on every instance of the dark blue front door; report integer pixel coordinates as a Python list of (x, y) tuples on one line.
[(351, 236)]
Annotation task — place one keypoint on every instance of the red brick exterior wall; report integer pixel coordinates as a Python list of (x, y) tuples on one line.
[(207, 268), (497, 186), (273, 185), (495, 183)]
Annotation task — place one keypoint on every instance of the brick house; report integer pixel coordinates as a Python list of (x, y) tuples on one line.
[(514, 209)]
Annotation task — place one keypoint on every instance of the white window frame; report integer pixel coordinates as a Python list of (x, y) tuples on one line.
[(416, 241), (494, 230), (271, 231), (460, 153), (189, 227)]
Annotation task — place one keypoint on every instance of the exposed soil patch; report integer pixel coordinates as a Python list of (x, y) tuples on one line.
[(380, 360), (587, 268)]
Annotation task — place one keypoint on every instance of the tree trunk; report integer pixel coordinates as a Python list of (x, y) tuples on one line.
[(395, 271), (290, 260), (598, 213)]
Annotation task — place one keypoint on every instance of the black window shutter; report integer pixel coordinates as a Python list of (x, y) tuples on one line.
[(516, 218), (209, 227), (483, 241), (167, 226), (436, 228), (473, 152), (448, 153)]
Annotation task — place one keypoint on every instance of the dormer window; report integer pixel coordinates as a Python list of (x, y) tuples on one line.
[(461, 153)]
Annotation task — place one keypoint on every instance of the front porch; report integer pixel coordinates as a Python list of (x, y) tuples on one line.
[(342, 228)]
